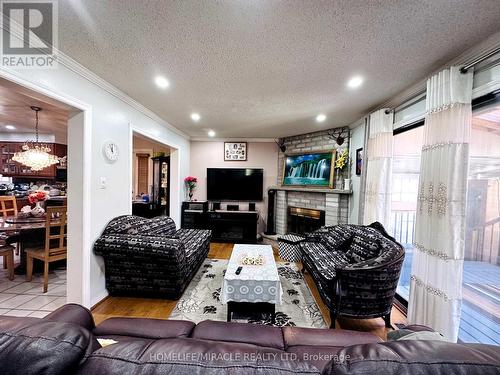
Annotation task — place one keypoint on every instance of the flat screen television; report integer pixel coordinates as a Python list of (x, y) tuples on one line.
[(235, 184)]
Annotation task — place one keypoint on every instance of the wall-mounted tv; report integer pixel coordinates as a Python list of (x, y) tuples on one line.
[(235, 184)]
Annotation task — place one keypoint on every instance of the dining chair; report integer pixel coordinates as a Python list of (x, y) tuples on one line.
[(7, 252), (55, 243), (8, 207)]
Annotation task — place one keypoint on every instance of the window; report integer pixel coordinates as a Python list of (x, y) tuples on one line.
[(142, 174)]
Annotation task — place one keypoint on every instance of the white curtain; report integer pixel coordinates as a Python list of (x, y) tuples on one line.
[(436, 276), (379, 169)]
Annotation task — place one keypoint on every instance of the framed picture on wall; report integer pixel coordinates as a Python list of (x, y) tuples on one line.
[(235, 151), (311, 169), (359, 161)]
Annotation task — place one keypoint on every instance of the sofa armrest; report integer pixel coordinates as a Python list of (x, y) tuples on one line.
[(140, 245), (316, 236), (73, 313)]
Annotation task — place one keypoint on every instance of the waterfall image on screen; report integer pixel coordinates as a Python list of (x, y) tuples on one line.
[(308, 169)]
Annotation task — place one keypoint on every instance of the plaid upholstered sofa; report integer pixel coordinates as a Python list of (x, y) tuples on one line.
[(356, 269), (149, 257)]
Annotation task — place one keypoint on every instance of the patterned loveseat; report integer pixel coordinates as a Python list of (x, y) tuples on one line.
[(355, 268), (148, 257)]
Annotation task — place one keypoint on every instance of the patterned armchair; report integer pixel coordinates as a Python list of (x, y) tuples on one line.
[(148, 257), (356, 269)]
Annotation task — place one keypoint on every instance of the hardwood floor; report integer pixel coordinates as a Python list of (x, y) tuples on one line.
[(161, 309)]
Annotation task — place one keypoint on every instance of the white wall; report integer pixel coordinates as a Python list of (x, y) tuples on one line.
[(211, 155), (357, 141), (111, 119)]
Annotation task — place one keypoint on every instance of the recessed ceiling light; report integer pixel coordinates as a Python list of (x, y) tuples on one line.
[(162, 82), (195, 117), (321, 117), (355, 82), (10, 127), (211, 133)]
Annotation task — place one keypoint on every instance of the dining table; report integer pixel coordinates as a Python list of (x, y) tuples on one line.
[(29, 232)]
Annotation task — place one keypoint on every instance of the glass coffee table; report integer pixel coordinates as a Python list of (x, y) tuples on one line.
[(257, 288)]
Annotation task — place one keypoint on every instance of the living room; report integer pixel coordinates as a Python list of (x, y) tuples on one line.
[(280, 187)]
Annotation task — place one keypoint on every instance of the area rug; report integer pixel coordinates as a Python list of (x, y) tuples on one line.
[(201, 301)]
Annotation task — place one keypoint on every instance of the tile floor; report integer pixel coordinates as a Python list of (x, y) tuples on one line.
[(21, 298)]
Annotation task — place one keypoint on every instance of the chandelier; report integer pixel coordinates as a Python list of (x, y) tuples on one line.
[(34, 154)]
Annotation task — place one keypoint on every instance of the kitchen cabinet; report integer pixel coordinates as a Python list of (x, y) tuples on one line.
[(10, 168)]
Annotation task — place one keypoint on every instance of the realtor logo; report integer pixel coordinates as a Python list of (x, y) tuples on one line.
[(29, 33)]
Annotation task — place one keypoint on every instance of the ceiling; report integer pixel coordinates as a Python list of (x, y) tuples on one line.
[(266, 68), (15, 103)]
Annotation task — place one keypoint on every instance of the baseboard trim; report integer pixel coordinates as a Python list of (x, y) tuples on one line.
[(100, 299)]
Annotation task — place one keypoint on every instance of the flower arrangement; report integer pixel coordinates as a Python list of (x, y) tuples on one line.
[(190, 183), (38, 196), (342, 159)]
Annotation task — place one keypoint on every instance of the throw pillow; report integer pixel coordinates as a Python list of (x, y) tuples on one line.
[(363, 247)]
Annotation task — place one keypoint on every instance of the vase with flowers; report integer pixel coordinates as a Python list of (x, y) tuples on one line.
[(37, 197), (340, 164), (190, 183)]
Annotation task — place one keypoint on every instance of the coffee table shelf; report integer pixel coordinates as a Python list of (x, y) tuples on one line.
[(257, 287)]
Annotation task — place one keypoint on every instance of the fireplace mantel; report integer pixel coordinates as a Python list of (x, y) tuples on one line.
[(311, 190)]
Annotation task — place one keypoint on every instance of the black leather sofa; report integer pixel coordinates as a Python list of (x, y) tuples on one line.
[(149, 257), (356, 269), (64, 343)]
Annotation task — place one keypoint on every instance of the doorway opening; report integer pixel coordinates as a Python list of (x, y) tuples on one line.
[(33, 196)]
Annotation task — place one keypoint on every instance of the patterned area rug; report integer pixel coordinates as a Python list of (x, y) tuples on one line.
[(201, 301)]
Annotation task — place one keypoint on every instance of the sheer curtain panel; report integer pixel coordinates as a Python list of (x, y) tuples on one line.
[(379, 169), (436, 276)]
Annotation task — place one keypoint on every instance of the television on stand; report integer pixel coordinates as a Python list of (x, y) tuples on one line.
[(235, 184)]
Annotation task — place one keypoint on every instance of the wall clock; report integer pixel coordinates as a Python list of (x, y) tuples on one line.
[(111, 151)]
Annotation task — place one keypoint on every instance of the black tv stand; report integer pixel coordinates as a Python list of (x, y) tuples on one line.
[(226, 226)]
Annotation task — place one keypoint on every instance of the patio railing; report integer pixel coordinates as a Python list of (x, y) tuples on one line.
[(403, 226)]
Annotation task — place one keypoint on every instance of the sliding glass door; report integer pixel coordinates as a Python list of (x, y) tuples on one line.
[(480, 319), (481, 278), (405, 173)]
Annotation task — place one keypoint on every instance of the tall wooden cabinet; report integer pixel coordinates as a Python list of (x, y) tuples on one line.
[(161, 184)]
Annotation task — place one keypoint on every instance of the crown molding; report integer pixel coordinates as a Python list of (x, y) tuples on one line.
[(242, 139)]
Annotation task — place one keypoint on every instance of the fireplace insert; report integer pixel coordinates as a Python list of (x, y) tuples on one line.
[(303, 220)]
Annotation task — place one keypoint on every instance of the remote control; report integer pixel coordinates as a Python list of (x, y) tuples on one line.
[(238, 271)]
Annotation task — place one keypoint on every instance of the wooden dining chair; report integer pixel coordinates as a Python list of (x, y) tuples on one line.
[(7, 252), (55, 243), (8, 207)]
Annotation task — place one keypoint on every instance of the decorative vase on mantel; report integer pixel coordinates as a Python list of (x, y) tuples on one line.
[(339, 180), (190, 196)]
